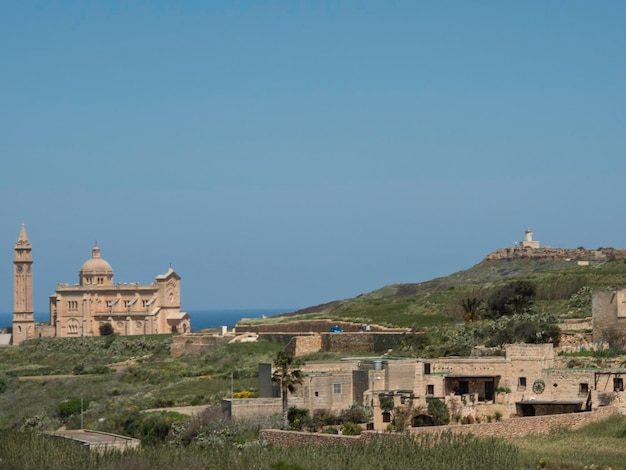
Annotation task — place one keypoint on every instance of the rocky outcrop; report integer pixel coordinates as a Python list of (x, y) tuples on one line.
[(554, 254)]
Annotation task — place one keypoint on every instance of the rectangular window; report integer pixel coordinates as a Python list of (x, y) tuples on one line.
[(386, 417), (583, 388), (430, 389), (336, 388), (426, 368), (618, 384), (521, 382)]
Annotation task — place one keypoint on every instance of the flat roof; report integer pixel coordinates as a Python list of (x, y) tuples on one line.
[(91, 437), (557, 402), (471, 376)]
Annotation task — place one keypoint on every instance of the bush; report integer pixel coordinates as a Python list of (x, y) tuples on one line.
[(325, 418), (298, 418), (516, 297), (439, 411), (106, 329), (355, 414), (351, 429), (71, 407)]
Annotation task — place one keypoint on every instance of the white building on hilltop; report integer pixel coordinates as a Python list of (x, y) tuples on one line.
[(528, 240)]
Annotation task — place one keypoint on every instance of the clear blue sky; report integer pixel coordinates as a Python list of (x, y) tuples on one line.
[(285, 154)]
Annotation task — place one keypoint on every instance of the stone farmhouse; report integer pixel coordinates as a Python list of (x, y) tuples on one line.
[(522, 382), (517, 380), (81, 309)]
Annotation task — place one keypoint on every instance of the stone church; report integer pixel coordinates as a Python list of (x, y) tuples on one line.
[(84, 308)]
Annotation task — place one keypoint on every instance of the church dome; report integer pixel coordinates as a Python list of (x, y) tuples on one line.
[(96, 266)]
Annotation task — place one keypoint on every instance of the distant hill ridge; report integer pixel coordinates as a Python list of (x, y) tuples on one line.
[(553, 254), (501, 265)]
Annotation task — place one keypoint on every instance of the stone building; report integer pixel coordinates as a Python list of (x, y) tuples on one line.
[(528, 241), (81, 309), (520, 382), (609, 317)]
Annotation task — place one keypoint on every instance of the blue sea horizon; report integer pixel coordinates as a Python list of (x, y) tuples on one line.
[(200, 319)]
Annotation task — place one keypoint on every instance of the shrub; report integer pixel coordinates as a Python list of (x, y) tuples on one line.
[(386, 403), (439, 411), (325, 418), (71, 407), (106, 329), (298, 418), (355, 414), (351, 429), (285, 466), (516, 297)]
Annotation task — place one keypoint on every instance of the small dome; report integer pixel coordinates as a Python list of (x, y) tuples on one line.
[(96, 266)]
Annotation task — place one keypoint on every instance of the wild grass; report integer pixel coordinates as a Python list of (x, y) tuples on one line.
[(29, 451), (602, 444), (563, 289), (147, 377)]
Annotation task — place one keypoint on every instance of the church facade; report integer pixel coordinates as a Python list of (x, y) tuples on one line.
[(96, 301)]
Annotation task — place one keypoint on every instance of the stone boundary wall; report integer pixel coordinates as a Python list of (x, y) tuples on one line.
[(292, 438), (509, 428), (196, 343), (255, 407), (360, 342), (300, 344), (308, 326), (519, 427), (303, 345), (576, 324), (281, 338), (335, 342)]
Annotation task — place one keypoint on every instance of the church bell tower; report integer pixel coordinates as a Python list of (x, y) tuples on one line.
[(23, 316)]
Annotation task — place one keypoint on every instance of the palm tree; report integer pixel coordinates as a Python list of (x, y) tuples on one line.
[(288, 376), (471, 306)]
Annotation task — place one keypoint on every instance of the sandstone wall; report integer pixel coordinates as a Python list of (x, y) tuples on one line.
[(360, 342), (254, 407), (196, 343), (576, 324), (290, 438), (300, 344), (510, 428), (303, 345), (306, 326), (280, 338), (609, 319)]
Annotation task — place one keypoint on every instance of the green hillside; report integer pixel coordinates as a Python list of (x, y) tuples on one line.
[(563, 288)]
